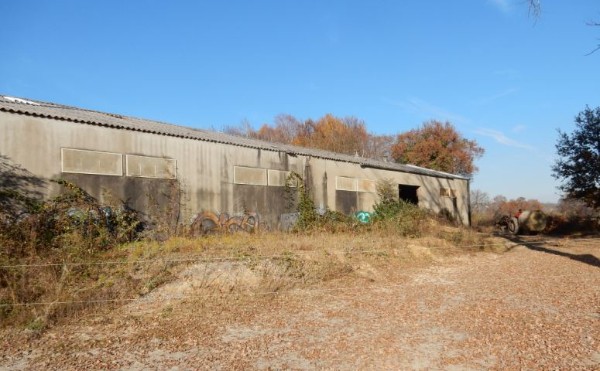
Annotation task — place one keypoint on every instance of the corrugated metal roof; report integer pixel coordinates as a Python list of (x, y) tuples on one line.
[(60, 112)]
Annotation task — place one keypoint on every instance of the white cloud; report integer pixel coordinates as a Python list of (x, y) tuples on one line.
[(504, 6), (497, 96), (499, 137), (519, 128)]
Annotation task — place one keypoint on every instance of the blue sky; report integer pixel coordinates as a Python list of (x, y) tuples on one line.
[(502, 78)]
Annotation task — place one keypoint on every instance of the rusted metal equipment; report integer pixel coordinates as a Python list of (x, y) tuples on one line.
[(527, 221)]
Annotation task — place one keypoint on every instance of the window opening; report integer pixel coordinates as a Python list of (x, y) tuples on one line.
[(408, 193)]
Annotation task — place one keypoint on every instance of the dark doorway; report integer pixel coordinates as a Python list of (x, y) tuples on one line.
[(408, 193)]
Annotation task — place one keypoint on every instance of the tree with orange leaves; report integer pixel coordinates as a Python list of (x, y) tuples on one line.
[(437, 146), (347, 135), (285, 129)]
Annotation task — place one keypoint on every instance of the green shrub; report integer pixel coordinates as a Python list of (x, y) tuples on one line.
[(395, 215), (298, 198), (401, 218), (72, 219)]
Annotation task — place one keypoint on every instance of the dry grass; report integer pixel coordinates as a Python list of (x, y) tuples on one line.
[(70, 255), (239, 264)]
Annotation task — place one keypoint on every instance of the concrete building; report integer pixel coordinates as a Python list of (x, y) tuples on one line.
[(183, 171)]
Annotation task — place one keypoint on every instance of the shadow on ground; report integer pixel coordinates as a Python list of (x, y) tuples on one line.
[(538, 246)]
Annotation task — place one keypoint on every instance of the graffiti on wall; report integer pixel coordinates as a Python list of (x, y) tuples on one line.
[(208, 222), (288, 221), (363, 216)]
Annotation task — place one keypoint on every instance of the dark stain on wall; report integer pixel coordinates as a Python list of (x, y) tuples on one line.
[(155, 199), (225, 169), (283, 163), (324, 188), (268, 202), (206, 198), (346, 201), (308, 179)]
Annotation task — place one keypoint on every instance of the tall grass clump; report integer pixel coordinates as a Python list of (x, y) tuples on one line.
[(309, 220), (392, 215), (45, 245)]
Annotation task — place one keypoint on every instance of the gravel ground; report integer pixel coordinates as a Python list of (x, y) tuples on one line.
[(534, 307)]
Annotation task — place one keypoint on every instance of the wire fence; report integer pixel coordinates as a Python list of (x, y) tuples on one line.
[(233, 258), (240, 258)]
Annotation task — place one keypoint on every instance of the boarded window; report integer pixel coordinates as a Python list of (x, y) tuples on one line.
[(91, 162), (366, 185), (277, 178), (151, 167), (249, 175), (343, 183), (446, 192)]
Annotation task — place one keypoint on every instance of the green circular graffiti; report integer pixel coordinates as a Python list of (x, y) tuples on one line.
[(363, 216)]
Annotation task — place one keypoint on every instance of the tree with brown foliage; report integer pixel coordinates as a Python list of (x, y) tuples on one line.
[(510, 207), (347, 135), (437, 146), (285, 130), (342, 135)]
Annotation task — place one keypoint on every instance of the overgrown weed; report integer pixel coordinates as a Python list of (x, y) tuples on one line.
[(67, 259)]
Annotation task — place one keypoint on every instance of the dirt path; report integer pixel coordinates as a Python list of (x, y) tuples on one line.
[(534, 307)]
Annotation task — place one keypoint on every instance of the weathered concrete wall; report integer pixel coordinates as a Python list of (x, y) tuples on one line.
[(205, 170), (341, 195), (211, 176)]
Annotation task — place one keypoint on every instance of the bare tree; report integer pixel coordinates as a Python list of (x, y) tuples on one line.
[(535, 8), (594, 24), (535, 11), (480, 201), (244, 129), (379, 147)]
